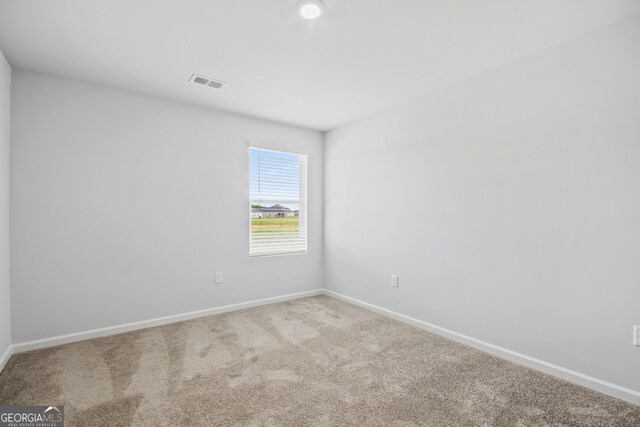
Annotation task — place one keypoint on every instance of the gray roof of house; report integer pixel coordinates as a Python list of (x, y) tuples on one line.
[(275, 208)]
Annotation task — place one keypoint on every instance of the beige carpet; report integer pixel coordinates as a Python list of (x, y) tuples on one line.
[(314, 361)]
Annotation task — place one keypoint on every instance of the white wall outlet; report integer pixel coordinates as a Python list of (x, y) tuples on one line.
[(636, 335), (394, 281), (219, 277)]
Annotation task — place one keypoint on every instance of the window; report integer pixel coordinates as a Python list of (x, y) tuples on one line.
[(278, 197)]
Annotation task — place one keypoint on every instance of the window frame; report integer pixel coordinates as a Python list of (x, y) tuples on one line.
[(303, 201)]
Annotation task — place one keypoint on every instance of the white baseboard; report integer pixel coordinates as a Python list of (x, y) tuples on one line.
[(118, 329), (5, 357), (596, 384)]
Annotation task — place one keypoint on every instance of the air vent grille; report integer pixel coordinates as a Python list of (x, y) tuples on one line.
[(205, 81)]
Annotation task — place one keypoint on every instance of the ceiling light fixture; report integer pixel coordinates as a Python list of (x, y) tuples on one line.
[(310, 9)]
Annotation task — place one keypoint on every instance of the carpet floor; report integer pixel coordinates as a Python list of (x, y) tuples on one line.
[(310, 362)]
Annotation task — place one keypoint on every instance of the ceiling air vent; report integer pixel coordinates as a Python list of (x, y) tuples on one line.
[(205, 81)]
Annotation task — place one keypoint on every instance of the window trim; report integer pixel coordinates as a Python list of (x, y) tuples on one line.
[(303, 210)]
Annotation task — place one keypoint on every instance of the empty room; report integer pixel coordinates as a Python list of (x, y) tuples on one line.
[(319, 213)]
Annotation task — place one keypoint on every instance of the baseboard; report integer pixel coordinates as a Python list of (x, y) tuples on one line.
[(5, 357), (119, 329), (596, 384)]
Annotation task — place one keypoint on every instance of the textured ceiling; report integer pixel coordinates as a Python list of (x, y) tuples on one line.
[(361, 57)]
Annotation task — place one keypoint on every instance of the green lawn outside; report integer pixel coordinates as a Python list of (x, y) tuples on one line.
[(275, 225)]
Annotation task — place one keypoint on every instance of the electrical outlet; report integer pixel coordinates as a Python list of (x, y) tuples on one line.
[(219, 277), (636, 336), (394, 281)]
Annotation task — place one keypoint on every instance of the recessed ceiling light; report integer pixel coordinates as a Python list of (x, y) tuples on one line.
[(310, 9)]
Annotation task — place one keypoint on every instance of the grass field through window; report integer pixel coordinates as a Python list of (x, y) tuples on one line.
[(275, 225)]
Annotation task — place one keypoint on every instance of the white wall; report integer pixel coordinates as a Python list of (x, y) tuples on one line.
[(5, 135), (508, 204), (125, 206)]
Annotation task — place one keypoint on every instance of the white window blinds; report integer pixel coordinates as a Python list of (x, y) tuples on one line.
[(278, 193)]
